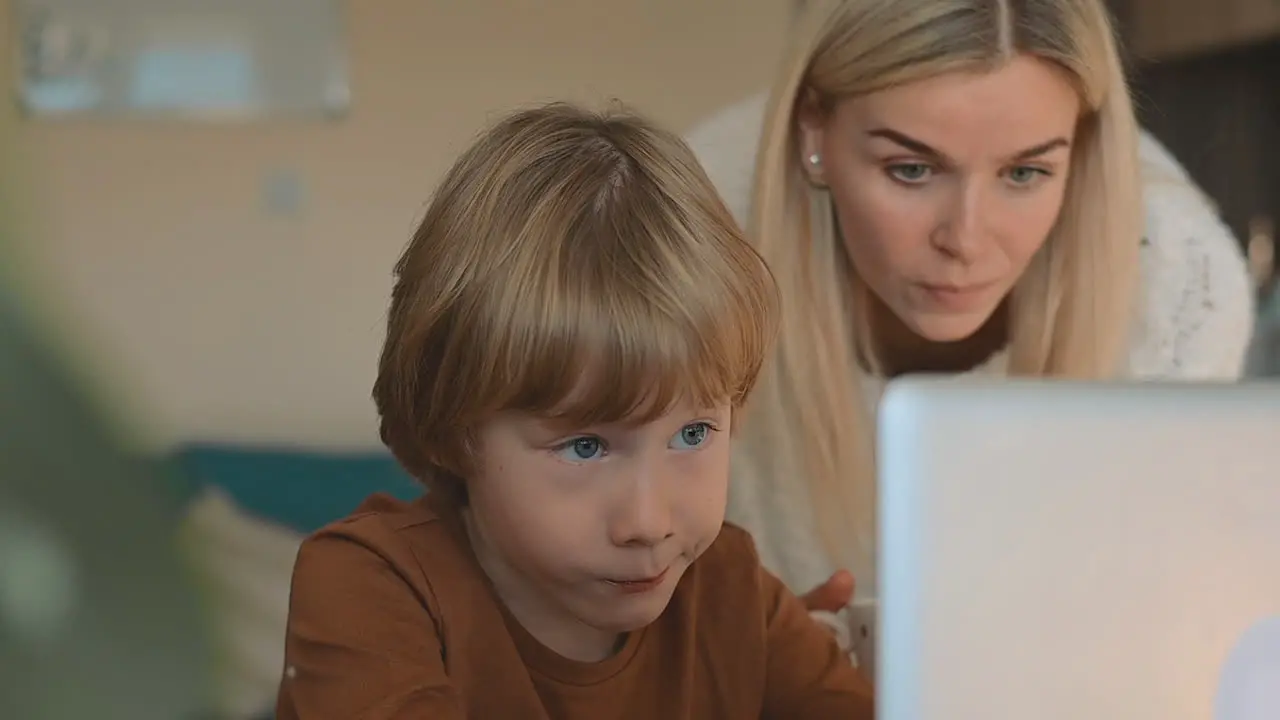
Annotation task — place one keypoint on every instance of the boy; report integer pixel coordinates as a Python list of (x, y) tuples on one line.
[(572, 330)]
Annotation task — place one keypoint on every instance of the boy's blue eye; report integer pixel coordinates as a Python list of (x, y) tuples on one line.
[(582, 448), (691, 436), (590, 447)]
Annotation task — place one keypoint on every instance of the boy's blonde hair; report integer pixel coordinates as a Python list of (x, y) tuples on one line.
[(572, 264), (1070, 312)]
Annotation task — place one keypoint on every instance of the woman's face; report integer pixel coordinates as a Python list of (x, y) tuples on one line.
[(945, 188)]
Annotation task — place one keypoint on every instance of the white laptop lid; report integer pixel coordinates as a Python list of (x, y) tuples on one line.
[(1061, 551)]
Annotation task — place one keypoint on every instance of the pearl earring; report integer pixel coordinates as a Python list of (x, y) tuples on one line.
[(815, 159)]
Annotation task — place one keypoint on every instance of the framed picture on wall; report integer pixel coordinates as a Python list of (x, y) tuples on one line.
[(202, 60)]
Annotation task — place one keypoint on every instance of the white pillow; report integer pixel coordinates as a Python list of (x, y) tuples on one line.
[(245, 565)]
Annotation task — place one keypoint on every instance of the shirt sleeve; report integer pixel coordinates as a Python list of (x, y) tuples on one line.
[(361, 643), (808, 676)]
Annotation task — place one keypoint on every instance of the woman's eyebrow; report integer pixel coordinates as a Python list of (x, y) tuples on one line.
[(923, 148)]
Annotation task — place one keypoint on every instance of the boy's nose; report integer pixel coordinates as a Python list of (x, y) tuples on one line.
[(643, 514)]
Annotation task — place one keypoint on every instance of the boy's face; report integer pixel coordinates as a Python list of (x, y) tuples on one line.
[(586, 531)]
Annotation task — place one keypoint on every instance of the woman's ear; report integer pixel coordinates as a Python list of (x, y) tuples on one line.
[(811, 123)]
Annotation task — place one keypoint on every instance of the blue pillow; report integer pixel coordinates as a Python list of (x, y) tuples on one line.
[(301, 489)]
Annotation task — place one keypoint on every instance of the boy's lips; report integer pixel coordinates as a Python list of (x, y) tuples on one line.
[(637, 584)]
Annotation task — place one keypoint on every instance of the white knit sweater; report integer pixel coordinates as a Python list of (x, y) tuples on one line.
[(1198, 300)]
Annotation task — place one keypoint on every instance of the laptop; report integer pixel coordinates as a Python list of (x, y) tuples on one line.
[(1061, 551)]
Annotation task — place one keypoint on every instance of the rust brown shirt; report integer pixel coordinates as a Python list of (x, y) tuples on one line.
[(392, 617)]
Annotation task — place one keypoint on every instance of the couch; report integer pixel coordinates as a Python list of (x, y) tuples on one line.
[(247, 510)]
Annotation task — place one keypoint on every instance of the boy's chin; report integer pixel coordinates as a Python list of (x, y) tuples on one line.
[(630, 622), (630, 613)]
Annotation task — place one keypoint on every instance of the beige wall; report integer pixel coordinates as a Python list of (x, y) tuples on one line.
[(224, 321)]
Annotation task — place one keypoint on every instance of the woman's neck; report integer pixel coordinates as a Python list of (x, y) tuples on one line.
[(900, 351)]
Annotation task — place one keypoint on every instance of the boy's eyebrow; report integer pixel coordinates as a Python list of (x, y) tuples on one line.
[(563, 427), (553, 425)]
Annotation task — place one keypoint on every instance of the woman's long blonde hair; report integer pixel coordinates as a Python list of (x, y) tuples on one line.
[(1070, 312)]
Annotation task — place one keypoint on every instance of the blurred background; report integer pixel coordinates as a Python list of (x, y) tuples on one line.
[(1206, 76), (205, 199), (234, 274)]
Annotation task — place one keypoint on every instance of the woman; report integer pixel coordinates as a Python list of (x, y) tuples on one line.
[(951, 186)]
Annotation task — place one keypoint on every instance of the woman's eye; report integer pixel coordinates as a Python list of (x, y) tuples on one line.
[(581, 448), (691, 436), (1025, 175), (911, 173)]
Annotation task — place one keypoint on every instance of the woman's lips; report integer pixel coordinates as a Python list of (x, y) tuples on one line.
[(956, 298)]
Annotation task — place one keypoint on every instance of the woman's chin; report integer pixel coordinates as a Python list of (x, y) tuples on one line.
[(948, 327)]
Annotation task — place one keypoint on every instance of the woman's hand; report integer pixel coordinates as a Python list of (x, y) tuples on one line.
[(827, 600), (831, 596)]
